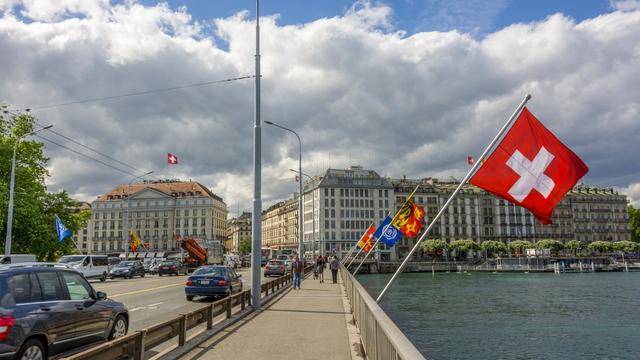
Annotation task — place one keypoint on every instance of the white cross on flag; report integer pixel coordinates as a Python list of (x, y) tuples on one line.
[(531, 168), (172, 159)]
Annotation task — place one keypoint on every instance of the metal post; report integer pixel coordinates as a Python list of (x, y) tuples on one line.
[(256, 225), (476, 165)]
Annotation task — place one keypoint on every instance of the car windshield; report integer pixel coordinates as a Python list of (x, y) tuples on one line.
[(72, 259), (125, 264), (213, 271)]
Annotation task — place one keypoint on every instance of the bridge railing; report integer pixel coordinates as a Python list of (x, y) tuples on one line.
[(381, 337)]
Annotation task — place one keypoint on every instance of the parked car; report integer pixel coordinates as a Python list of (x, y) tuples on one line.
[(246, 261), (172, 267), (127, 269), (153, 269), (287, 264), (17, 258), (113, 261), (45, 310), (275, 267), (212, 280), (91, 266)]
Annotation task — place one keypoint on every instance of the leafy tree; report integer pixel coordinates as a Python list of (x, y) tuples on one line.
[(518, 246), (575, 246), (600, 246), (634, 223), (245, 245), (626, 246), (435, 246), (462, 247), (493, 247), (554, 245), (33, 227)]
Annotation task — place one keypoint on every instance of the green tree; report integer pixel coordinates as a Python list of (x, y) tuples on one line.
[(634, 223), (33, 227), (435, 246), (518, 246), (245, 245), (554, 245), (462, 247), (600, 246), (575, 246), (493, 247), (626, 246)]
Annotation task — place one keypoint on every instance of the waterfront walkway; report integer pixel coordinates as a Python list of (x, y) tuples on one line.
[(310, 323)]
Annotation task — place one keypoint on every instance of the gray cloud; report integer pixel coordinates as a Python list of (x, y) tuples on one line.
[(358, 92)]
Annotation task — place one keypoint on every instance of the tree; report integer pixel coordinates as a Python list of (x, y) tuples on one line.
[(435, 246), (462, 247), (493, 247), (33, 226), (245, 245), (600, 246), (575, 246), (626, 246), (634, 223), (519, 246), (554, 245)]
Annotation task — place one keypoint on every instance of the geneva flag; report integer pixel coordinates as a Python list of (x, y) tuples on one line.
[(531, 168), (409, 218)]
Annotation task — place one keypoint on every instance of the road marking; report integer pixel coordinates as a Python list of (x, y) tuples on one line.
[(148, 307), (146, 290)]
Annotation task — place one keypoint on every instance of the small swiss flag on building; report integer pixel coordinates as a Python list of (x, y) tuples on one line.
[(470, 160), (172, 159), (531, 168)]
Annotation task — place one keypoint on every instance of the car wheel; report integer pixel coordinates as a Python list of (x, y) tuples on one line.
[(142, 275), (31, 350), (111, 277), (189, 298), (103, 277), (159, 274), (119, 328)]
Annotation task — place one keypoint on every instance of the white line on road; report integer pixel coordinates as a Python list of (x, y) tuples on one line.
[(147, 307)]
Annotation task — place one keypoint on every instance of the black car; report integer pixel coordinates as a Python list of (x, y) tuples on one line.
[(127, 269), (172, 267), (47, 310)]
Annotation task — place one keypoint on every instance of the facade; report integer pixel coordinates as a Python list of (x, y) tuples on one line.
[(238, 229), (348, 201), (159, 212), (82, 239), (280, 225)]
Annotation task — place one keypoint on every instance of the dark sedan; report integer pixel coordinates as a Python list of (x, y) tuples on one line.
[(212, 280), (172, 267), (127, 269), (47, 310)]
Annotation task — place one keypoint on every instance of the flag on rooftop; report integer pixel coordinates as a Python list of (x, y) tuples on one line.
[(62, 230), (531, 168), (172, 159), (470, 160)]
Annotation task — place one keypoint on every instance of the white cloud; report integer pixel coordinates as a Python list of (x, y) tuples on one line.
[(633, 192), (625, 5), (357, 91)]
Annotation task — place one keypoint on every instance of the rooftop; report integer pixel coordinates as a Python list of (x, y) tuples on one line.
[(174, 188)]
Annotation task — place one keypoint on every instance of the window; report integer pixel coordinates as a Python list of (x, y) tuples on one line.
[(23, 289), (100, 261), (50, 286), (77, 286)]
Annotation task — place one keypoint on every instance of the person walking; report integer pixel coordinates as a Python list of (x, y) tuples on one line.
[(334, 269), (320, 268), (296, 270)]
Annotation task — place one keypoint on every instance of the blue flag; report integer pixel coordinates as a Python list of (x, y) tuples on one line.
[(62, 230), (391, 235)]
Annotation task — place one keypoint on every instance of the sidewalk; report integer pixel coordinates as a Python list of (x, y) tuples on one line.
[(302, 324)]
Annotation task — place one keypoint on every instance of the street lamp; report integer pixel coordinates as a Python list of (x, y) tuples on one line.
[(300, 206), (7, 243), (313, 215), (125, 233)]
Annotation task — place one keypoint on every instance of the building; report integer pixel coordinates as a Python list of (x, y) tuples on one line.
[(280, 225), (159, 212), (82, 239), (238, 229)]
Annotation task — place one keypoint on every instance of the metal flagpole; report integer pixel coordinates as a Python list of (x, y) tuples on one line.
[(476, 165), (344, 260), (355, 257), (385, 229)]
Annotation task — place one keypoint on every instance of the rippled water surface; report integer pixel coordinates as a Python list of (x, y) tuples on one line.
[(515, 315)]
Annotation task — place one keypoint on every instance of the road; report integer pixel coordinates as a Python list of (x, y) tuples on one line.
[(154, 299)]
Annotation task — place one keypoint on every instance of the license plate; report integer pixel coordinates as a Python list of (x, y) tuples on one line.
[(204, 282)]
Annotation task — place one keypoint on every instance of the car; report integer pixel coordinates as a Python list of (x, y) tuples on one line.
[(17, 258), (275, 267), (47, 309), (287, 264), (127, 269), (153, 269), (213, 280), (91, 266), (172, 267)]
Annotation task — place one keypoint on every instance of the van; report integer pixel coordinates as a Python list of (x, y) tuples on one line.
[(17, 258), (91, 266)]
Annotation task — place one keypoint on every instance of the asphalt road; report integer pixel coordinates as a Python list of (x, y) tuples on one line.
[(154, 299)]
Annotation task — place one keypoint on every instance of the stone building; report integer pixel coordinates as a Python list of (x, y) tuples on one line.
[(238, 229), (81, 239), (280, 225)]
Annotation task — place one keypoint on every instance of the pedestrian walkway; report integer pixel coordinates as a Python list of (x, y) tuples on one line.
[(302, 324)]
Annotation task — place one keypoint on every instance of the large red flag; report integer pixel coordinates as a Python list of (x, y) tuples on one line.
[(531, 168)]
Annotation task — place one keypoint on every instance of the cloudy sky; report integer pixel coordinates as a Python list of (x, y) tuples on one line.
[(402, 87)]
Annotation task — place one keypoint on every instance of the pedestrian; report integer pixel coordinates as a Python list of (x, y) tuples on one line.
[(296, 270), (334, 269), (320, 264)]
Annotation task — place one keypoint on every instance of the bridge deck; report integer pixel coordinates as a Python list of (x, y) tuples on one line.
[(302, 324)]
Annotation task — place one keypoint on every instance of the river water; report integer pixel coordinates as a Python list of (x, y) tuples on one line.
[(515, 315)]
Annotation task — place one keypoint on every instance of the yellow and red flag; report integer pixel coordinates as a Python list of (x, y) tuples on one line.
[(134, 240), (409, 218), (366, 241)]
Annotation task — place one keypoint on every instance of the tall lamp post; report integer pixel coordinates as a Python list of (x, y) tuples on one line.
[(300, 206), (313, 215), (125, 233), (7, 243)]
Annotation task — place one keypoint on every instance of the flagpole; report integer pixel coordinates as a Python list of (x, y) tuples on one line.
[(344, 260), (476, 165), (366, 256)]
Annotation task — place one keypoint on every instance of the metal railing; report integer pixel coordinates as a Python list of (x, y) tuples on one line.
[(134, 345), (381, 338)]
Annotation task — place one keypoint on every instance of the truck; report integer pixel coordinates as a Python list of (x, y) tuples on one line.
[(201, 252)]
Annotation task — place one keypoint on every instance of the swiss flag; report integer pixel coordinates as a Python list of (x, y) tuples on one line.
[(531, 168), (470, 160), (172, 159)]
